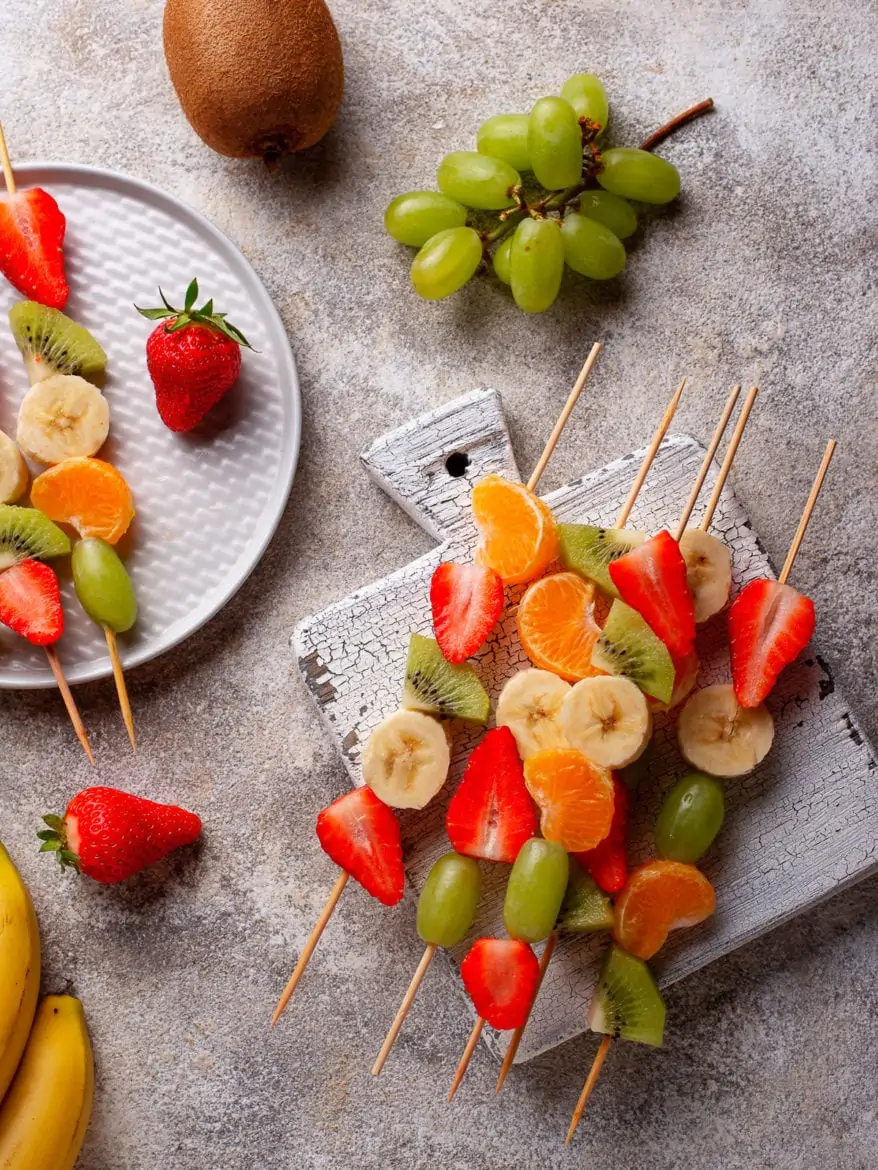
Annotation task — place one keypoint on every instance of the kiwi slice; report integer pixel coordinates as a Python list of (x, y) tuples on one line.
[(628, 647), (27, 534), (434, 685), (590, 551), (627, 1003), (51, 343), (585, 906)]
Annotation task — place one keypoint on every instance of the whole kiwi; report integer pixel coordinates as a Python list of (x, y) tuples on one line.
[(255, 78)]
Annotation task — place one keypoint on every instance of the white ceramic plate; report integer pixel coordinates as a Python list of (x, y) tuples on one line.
[(207, 503)]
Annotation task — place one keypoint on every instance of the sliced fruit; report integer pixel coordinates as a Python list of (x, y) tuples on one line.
[(62, 417), (608, 720), (32, 228), (467, 601), (717, 735), (530, 706), (708, 572), (608, 861), (361, 835), (627, 647), (590, 551), (30, 602), (491, 814), (406, 758), (501, 976), (585, 908), (652, 579), (685, 677), (102, 584), (449, 899), (660, 896), (14, 475), (691, 816), (517, 530), (769, 626), (627, 1003), (575, 798), (26, 534), (557, 625), (89, 494), (435, 685), (51, 343), (535, 890)]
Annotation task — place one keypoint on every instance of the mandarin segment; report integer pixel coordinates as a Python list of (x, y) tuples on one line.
[(575, 798), (558, 627), (660, 896), (517, 530), (89, 494)]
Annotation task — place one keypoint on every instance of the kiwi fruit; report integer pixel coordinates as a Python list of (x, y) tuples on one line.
[(434, 685), (627, 1003), (51, 343), (628, 647), (590, 551), (585, 906), (26, 534)]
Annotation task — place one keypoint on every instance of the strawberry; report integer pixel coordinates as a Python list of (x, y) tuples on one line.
[(109, 835), (467, 600), (30, 602), (652, 579), (501, 976), (361, 835), (491, 814), (608, 862), (32, 228), (769, 626), (193, 357)]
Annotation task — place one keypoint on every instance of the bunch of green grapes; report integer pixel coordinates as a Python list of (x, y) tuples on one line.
[(561, 193)]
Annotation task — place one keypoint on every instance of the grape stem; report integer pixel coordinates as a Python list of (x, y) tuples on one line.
[(657, 136)]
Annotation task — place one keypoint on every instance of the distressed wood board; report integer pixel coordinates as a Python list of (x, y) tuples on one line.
[(801, 827)]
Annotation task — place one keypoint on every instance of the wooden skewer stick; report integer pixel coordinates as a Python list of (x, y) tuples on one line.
[(726, 467), (69, 702), (809, 508), (590, 1082), (652, 451), (6, 163), (708, 459), (559, 426), (121, 687), (467, 1056), (408, 999), (509, 1058), (313, 940)]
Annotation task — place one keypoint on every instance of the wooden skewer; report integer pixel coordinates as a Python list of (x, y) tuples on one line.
[(708, 459), (652, 451), (726, 467), (408, 999), (467, 1056), (509, 1058), (559, 426), (590, 1082), (6, 163), (313, 940), (69, 702), (809, 508), (121, 688)]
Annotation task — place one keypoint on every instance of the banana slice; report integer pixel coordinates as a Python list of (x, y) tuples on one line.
[(608, 720), (719, 736), (406, 759), (13, 471), (530, 706), (708, 571), (61, 418)]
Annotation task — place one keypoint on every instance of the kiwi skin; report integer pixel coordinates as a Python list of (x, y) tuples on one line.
[(436, 686), (51, 343), (627, 1003)]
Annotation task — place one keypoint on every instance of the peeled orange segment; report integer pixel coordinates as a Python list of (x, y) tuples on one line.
[(575, 798), (557, 625), (518, 536), (88, 494), (660, 896)]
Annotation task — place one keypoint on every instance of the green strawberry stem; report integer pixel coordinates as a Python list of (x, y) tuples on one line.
[(54, 840), (190, 315)]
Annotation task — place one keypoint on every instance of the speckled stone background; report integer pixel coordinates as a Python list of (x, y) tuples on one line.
[(765, 272)]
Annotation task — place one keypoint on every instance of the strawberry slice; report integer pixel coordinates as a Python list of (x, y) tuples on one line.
[(467, 600), (30, 602), (491, 814), (608, 862), (32, 228), (501, 976), (362, 836), (652, 579), (769, 626)]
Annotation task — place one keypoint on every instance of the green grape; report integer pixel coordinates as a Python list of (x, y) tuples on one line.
[(477, 180), (505, 136), (416, 216), (103, 586), (637, 174), (448, 901), (610, 210), (691, 817), (586, 94), (446, 262), (502, 259), (554, 141), (591, 248), (536, 264), (535, 890)]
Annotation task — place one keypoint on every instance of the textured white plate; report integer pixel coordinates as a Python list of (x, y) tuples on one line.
[(207, 503)]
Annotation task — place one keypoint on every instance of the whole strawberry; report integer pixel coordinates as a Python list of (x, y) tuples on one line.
[(109, 835), (193, 357)]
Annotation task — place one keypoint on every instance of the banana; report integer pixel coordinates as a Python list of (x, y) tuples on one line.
[(530, 706), (608, 720), (708, 571), (406, 760), (19, 968), (44, 1116), (13, 471), (62, 417), (719, 736)]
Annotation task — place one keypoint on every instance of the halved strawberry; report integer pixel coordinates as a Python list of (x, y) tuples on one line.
[(769, 626), (30, 602), (652, 579), (608, 862), (501, 976), (32, 228), (467, 600), (491, 814), (362, 836)]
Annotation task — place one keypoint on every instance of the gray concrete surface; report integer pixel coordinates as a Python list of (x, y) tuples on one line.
[(765, 272)]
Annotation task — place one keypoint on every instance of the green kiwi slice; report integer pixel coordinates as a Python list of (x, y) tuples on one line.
[(434, 685), (585, 906), (628, 647), (27, 534), (51, 343), (627, 1003), (590, 551)]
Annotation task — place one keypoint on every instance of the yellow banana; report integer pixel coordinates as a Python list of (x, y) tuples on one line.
[(46, 1112), (19, 968)]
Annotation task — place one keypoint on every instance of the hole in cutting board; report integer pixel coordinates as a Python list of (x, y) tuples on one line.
[(457, 463)]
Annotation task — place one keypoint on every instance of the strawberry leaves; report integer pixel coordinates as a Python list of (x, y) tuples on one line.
[(190, 315)]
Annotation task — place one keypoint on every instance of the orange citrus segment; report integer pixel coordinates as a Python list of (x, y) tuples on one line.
[(575, 797), (88, 494), (517, 530), (660, 896), (557, 626)]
